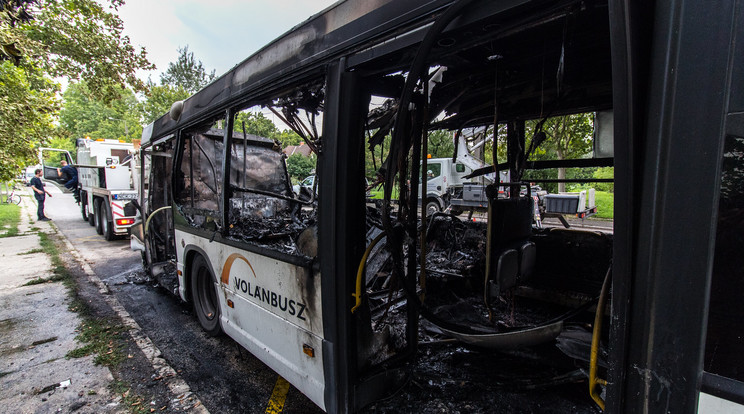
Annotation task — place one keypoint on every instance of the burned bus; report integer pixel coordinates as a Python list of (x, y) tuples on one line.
[(349, 299)]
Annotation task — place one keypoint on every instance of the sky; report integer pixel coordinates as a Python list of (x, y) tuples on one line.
[(220, 33)]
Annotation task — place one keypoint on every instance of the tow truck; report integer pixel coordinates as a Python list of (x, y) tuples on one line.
[(105, 168)]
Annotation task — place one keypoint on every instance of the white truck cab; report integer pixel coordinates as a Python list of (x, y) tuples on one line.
[(442, 176)]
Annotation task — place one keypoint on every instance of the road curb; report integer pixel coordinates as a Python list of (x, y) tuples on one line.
[(185, 398)]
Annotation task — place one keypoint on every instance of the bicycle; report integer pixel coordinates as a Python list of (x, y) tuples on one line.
[(13, 197)]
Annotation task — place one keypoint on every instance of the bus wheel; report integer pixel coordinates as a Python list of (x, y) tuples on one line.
[(431, 208), (204, 295)]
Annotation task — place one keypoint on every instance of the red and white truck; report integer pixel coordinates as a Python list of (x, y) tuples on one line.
[(106, 168), (105, 176)]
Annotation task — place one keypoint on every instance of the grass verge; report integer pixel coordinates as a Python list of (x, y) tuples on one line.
[(605, 204), (32, 251), (10, 216), (59, 271), (380, 194), (136, 404), (100, 337)]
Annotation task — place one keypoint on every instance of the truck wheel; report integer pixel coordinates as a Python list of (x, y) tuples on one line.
[(106, 225), (204, 295), (92, 216), (84, 209), (431, 208), (97, 213)]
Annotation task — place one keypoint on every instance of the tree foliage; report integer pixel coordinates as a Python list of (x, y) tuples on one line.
[(44, 39), (569, 137), (257, 124), (181, 79), (300, 166), (84, 116), (289, 137), (159, 101), (28, 105), (63, 143), (187, 72), (604, 173), (76, 39), (441, 144)]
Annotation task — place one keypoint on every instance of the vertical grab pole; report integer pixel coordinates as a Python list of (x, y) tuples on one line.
[(595, 382)]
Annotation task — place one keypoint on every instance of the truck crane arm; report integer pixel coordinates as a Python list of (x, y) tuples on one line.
[(464, 157)]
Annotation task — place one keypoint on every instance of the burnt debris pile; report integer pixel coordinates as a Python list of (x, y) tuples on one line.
[(458, 298), (455, 248), (285, 234)]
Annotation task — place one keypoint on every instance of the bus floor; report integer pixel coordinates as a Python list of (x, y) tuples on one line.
[(452, 377)]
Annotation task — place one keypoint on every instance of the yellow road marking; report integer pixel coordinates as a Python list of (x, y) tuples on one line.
[(276, 403)]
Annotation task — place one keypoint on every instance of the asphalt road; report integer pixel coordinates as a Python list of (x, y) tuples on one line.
[(225, 377)]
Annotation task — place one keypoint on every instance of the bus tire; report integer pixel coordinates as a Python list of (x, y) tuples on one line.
[(107, 226), (97, 204), (204, 296)]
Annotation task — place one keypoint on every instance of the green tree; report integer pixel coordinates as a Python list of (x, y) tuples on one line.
[(159, 101), (300, 166), (373, 160), (44, 39), (63, 143), (289, 137), (604, 172), (257, 124), (441, 144), (76, 39), (84, 116), (569, 137), (28, 101), (182, 78), (187, 72)]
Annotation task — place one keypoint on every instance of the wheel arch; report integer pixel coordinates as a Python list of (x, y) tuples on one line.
[(437, 199)]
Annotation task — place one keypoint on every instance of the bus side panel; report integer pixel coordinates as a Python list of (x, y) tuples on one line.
[(278, 344), (275, 313)]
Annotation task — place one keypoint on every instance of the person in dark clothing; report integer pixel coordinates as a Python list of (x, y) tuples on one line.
[(40, 193), (70, 173)]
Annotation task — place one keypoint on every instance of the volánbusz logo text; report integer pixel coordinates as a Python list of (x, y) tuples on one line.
[(273, 299)]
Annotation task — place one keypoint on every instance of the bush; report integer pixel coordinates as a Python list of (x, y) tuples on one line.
[(300, 166), (605, 172)]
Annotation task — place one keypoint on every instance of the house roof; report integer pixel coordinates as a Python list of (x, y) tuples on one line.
[(302, 149)]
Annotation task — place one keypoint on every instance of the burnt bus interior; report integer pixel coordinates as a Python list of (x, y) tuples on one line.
[(521, 316)]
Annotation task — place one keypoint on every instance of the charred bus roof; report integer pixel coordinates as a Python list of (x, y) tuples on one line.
[(534, 58)]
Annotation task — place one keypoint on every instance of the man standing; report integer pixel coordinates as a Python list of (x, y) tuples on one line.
[(40, 193)]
